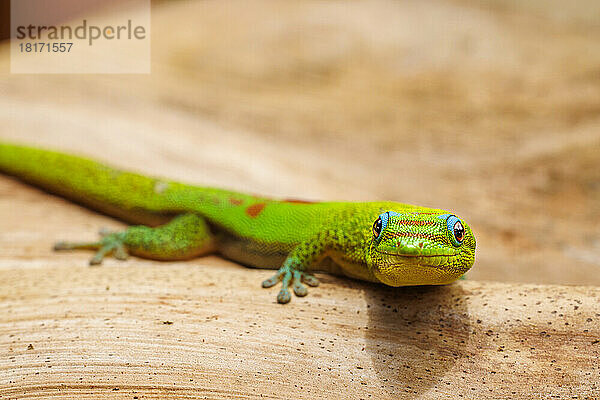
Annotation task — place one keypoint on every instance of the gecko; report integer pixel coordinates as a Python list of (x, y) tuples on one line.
[(385, 242)]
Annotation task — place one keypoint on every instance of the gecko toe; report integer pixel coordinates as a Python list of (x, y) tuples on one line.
[(284, 296), (104, 231), (299, 289), (121, 252), (58, 246), (272, 281), (97, 259), (310, 280), (95, 262)]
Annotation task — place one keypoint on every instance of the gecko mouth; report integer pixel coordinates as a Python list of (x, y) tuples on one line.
[(436, 261), (416, 255)]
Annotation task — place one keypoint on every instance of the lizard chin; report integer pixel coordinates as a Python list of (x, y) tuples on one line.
[(409, 270)]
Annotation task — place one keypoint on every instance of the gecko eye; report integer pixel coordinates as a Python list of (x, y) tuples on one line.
[(377, 227), (456, 228), (380, 224), (459, 231)]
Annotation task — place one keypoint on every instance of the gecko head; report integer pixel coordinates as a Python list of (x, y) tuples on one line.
[(420, 248)]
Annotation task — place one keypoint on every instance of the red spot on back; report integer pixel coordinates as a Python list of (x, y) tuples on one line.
[(235, 201), (255, 209), (298, 201)]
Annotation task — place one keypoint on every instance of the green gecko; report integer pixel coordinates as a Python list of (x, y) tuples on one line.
[(386, 242)]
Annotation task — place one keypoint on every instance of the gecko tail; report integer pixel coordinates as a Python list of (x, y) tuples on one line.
[(122, 194)]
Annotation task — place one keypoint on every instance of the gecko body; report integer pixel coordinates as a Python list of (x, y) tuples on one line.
[(387, 242)]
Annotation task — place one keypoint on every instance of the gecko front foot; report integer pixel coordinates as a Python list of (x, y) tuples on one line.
[(289, 276), (110, 242)]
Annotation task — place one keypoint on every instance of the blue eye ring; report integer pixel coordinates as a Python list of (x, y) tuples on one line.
[(380, 224), (456, 229)]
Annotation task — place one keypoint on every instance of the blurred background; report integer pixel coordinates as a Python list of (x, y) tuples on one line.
[(488, 108)]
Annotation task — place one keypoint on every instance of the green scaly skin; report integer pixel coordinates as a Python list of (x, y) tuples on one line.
[(387, 242)]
